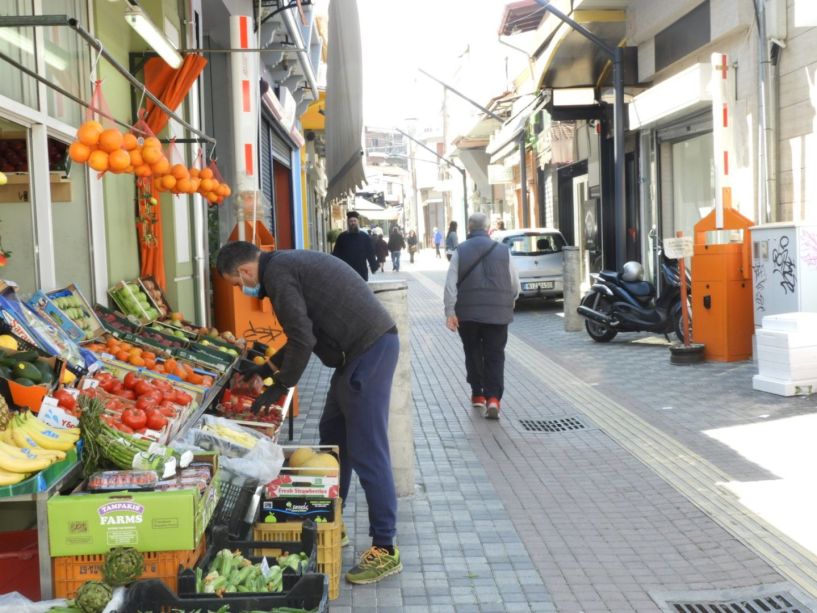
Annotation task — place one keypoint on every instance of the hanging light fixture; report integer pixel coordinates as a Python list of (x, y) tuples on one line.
[(152, 35)]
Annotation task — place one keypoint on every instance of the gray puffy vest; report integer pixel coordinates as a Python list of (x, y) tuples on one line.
[(486, 295)]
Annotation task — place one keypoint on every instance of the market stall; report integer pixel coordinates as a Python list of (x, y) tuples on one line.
[(129, 457)]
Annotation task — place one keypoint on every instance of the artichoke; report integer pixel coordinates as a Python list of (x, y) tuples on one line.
[(93, 596), (122, 566)]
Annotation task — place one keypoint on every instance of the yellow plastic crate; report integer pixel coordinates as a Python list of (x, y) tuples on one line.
[(329, 544)]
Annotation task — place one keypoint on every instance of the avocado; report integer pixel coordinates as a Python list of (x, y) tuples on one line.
[(26, 370)]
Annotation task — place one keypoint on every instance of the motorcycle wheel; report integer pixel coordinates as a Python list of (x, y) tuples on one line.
[(678, 322), (599, 332)]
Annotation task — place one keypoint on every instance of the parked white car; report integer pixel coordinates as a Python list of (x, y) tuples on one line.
[(537, 255)]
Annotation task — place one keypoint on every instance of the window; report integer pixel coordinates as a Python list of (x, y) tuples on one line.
[(534, 244)]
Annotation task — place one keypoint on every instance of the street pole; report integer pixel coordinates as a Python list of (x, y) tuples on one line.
[(450, 164), (615, 54), (523, 178)]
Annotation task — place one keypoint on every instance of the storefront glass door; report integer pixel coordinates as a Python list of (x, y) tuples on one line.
[(693, 181), (16, 211)]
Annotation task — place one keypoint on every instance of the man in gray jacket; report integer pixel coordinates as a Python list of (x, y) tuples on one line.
[(480, 291), (325, 308)]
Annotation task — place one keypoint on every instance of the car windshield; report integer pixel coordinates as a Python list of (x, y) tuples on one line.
[(534, 244)]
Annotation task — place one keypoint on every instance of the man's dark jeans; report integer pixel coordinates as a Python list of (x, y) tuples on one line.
[(484, 346)]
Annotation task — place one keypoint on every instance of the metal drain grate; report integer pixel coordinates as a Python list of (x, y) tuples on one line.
[(776, 603), (561, 424)]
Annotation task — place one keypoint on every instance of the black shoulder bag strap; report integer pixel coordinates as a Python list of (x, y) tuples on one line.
[(475, 264)]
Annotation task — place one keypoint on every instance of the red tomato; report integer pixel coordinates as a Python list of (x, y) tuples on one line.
[(106, 384), (116, 387), (123, 428), (129, 394), (168, 411), (142, 387), (134, 418), (146, 403), (182, 398), (130, 381), (65, 400), (155, 420)]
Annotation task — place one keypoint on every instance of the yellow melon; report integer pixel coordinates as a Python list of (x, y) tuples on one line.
[(300, 455), (321, 465)]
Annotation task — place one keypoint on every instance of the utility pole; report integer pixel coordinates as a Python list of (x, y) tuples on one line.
[(615, 54), (450, 165)]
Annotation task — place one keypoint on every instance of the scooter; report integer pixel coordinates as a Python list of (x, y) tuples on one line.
[(614, 305)]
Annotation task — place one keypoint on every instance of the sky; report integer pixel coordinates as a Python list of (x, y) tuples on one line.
[(399, 36)]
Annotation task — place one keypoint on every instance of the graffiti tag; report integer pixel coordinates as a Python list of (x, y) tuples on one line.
[(263, 335), (759, 273), (784, 266), (809, 248)]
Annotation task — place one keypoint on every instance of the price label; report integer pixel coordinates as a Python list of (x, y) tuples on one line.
[(680, 247)]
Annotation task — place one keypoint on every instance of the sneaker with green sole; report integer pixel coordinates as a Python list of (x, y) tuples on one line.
[(344, 538), (375, 564)]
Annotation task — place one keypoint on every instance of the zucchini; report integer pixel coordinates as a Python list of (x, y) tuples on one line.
[(5, 372), (24, 381), (25, 356), (26, 370), (45, 370)]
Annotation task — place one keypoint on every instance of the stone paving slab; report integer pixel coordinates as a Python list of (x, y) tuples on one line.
[(505, 520)]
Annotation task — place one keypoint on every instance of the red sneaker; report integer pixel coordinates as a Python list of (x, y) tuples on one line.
[(478, 402), (492, 411)]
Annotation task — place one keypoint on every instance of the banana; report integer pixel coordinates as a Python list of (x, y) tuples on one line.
[(11, 478), (16, 460), (5, 435), (23, 441), (44, 435)]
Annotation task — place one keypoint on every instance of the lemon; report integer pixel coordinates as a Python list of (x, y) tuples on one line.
[(8, 342), (68, 377)]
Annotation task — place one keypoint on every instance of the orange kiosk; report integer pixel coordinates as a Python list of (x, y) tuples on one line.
[(247, 317), (722, 308)]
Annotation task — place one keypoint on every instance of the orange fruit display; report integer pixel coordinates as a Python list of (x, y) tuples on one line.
[(119, 160), (79, 152), (168, 181), (110, 140), (151, 155), (162, 167), (129, 142), (180, 171), (152, 141), (88, 133), (136, 157), (206, 173), (98, 160)]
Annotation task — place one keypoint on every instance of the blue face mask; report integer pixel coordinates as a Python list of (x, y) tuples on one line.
[(252, 292)]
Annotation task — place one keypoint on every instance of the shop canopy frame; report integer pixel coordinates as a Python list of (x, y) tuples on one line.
[(39, 21)]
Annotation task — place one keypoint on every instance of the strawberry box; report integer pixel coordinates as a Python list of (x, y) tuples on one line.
[(277, 510), (302, 482)]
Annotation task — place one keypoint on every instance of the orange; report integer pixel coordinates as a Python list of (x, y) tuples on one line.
[(162, 167), (129, 142), (110, 140), (195, 184), (195, 172), (136, 157), (170, 365), (98, 160), (227, 190), (79, 152), (151, 364), (206, 173), (168, 181), (195, 379), (88, 133), (160, 368), (130, 169), (180, 171), (126, 346), (112, 341), (207, 185), (148, 355), (185, 186), (135, 351), (151, 155), (122, 356), (143, 170), (136, 360), (119, 160), (207, 381), (212, 198), (181, 372), (152, 141)]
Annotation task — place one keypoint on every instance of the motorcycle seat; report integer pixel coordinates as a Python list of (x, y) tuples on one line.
[(611, 276), (641, 289)]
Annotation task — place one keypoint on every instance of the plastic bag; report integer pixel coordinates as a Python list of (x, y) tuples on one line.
[(227, 437), (263, 462), (15, 601)]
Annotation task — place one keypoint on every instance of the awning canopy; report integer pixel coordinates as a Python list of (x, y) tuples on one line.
[(344, 101), (373, 211)]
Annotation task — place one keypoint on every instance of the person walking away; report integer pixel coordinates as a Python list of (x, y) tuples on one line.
[(325, 308), (412, 245), (396, 245), (381, 249), (481, 288), (451, 240), (438, 240), (355, 247)]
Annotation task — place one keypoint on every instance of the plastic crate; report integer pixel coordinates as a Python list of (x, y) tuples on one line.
[(20, 563), (234, 504), (70, 572), (329, 544), (309, 592), (219, 539)]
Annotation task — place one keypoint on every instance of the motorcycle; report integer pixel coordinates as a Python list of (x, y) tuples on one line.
[(615, 305)]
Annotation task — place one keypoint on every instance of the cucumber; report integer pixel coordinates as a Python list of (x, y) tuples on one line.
[(26, 370), (25, 356), (45, 370), (24, 381)]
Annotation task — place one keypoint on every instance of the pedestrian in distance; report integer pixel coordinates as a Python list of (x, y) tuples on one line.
[(480, 291), (438, 240), (325, 308), (355, 247), (396, 246), (381, 249), (451, 240), (411, 241)]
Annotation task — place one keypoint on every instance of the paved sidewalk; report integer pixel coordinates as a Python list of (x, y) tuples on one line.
[(610, 517)]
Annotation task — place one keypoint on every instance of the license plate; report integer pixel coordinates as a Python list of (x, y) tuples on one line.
[(538, 285)]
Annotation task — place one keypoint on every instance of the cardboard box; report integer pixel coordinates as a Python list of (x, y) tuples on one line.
[(296, 483), (297, 509), (128, 286), (86, 524), (47, 309), (72, 291)]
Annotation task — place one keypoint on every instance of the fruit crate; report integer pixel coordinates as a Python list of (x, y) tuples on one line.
[(124, 295), (309, 593), (73, 292), (70, 572), (234, 505), (329, 544), (155, 293), (220, 539)]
